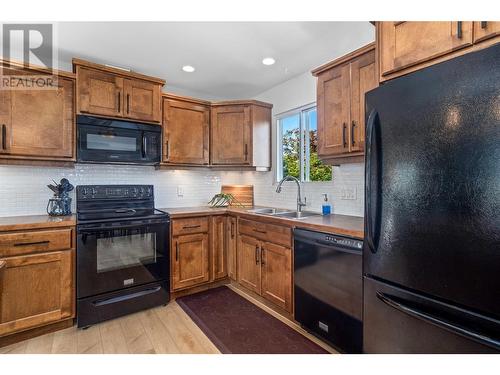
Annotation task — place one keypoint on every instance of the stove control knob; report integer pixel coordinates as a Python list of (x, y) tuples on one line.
[(85, 191), (94, 191)]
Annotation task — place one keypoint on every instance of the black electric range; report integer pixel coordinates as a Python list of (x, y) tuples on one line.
[(123, 247)]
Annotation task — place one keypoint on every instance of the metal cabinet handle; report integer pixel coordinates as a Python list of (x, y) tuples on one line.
[(344, 143), (232, 229), (246, 151), (262, 256), (176, 251), (353, 124), (32, 243), (260, 231), (2, 268), (119, 101), (167, 156), (484, 24), (191, 226), (128, 103), (459, 29), (257, 254), (4, 137)]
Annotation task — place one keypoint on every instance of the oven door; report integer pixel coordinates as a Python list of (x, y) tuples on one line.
[(109, 144), (113, 256)]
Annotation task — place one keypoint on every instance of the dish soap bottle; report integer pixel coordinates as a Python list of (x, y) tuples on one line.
[(326, 207)]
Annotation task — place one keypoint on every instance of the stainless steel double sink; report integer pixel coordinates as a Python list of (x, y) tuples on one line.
[(278, 212)]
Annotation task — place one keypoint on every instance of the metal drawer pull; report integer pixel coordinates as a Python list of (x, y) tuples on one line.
[(4, 137), (32, 243), (191, 226), (344, 143), (260, 231), (352, 132), (459, 29)]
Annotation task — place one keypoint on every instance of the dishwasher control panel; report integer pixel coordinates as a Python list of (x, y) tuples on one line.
[(349, 242)]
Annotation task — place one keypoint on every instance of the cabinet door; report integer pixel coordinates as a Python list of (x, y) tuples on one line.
[(99, 93), (41, 122), (231, 248), (219, 247), (277, 274), (249, 270), (186, 132), (403, 44), (485, 30), (35, 290), (333, 111), (142, 100), (363, 79), (190, 260), (231, 135)]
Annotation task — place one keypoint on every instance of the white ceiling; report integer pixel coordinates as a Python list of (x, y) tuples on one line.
[(227, 55)]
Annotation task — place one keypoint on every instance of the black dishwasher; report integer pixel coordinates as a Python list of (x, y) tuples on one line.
[(328, 287)]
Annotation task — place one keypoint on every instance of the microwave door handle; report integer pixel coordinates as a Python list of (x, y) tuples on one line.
[(144, 146)]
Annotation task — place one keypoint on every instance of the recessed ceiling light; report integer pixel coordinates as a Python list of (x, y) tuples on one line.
[(188, 68), (268, 61)]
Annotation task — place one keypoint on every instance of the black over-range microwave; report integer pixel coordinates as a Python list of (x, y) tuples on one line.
[(117, 142)]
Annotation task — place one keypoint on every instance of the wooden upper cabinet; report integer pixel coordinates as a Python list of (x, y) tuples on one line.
[(486, 29), (186, 131), (404, 44), (231, 135), (241, 134), (110, 92), (363, 79), (333, 111), (249, 269), (35, 290), (190, 260), (38, 124), (404, 47), (99, 93), (142, 100), (276, 263), (341, 89)]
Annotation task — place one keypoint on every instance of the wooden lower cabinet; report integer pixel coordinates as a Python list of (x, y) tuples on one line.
[(219, 247), (249, 269), (35, 290), (276, 284), (266, 269), (190, 260), (232, 244)]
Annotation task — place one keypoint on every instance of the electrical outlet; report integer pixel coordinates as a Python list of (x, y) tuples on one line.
[(180, 191), (349, 193)]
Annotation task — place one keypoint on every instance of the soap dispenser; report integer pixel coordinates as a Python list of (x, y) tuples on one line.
[(326, 207)]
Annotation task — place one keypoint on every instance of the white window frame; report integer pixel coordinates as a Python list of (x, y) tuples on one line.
[(304, 129)]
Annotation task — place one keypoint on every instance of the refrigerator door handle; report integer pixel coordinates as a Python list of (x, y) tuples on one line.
[(371, 174), (450, 326)]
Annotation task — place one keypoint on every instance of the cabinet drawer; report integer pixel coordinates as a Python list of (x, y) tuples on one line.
[(18, 243), (189, 225), (268, 232)]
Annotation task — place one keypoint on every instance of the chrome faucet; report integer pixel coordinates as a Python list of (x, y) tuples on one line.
[(300, 204)]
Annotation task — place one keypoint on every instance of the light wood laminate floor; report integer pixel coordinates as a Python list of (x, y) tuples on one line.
[(162, 330)]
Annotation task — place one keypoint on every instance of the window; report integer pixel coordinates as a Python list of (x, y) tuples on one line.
[(298, 146)]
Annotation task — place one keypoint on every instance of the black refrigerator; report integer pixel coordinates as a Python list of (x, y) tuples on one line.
[(431, 252)]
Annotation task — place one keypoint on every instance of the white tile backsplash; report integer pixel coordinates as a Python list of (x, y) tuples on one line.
[(23, 189)]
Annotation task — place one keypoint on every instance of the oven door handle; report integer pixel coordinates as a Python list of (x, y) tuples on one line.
[(126, 297), (111, 227)]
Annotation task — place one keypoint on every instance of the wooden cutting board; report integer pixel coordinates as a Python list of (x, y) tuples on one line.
[(242, 193)]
